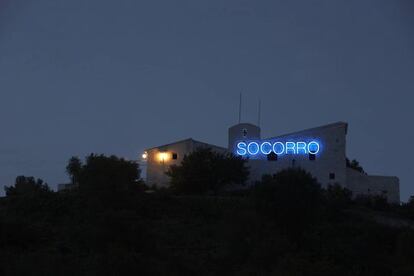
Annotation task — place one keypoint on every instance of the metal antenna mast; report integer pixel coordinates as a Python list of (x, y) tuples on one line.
[(259, 115), (240, 108)]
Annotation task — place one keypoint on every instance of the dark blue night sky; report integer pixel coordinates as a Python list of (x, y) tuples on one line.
[(115, 77)]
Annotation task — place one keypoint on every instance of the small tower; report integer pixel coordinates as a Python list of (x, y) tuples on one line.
[(242, 132)]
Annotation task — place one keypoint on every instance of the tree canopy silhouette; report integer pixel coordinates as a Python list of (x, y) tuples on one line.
[(103, 173), (74, 169), (287, 232), (27, 186), (292, 197), (204, 171), (354, 164)]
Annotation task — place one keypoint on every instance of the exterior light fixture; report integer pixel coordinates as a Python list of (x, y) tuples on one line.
[(163, 156), (145, 155)]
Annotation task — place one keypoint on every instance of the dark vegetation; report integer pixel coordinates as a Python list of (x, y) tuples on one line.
[(205, 171), (354, 164), (109, 225)]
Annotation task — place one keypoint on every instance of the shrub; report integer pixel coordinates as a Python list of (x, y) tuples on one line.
[(101, 173), (27, 186), (292, 197), (204, 171)]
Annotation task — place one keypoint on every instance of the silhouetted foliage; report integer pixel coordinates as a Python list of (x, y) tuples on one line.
[(292, 197), (407, 209), (204, 171), (376, 202), (405, 253), (74, 169), (281, 227), (102, 173), (411, 201), (27, 186), (338, 197), (354, 164)]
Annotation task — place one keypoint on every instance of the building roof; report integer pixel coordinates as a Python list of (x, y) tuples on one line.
[(315, 128), (288, 134), (184, 141)]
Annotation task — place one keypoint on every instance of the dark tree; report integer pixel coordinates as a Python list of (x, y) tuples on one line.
[(27, 186), (410, 202), (204, 171), (102, 173), (338, 197), (337, 200), (292, 197), (74, 169), (354, 164)]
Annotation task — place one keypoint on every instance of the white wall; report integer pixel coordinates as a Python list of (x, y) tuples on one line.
[(331, 159), (156, 168), (361, 184)]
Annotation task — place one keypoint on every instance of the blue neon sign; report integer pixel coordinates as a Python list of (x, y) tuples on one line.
[(256, 148)]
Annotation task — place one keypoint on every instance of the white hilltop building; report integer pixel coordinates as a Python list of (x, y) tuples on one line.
[(327, 163)]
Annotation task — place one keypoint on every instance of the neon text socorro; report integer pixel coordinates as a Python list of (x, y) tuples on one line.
[(253, 148)]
